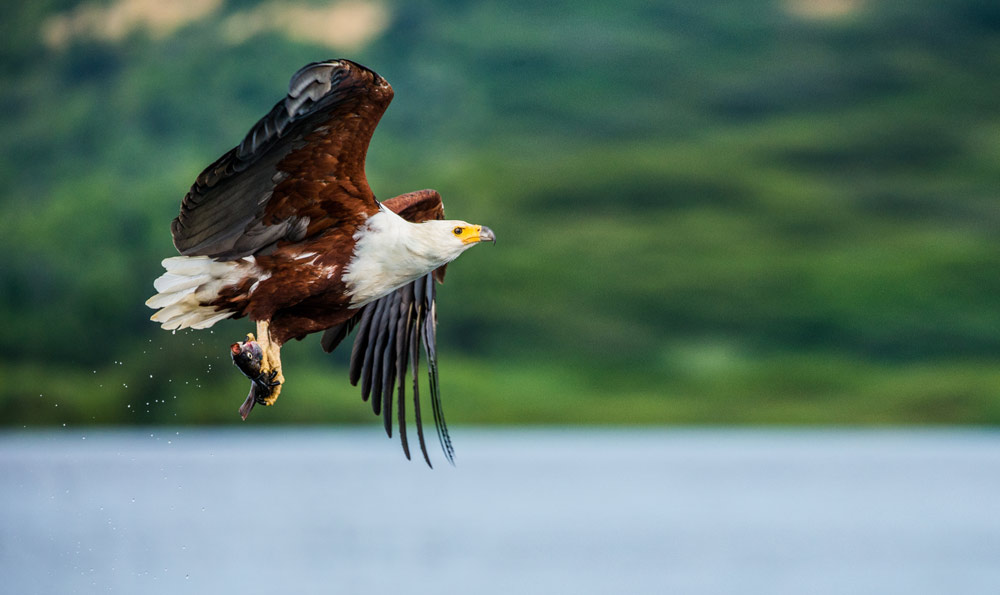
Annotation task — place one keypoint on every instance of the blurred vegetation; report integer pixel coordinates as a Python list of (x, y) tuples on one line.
[(707, 213)]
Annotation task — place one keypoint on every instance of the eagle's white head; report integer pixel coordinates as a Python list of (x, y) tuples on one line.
[(389, 252), (444, 240)]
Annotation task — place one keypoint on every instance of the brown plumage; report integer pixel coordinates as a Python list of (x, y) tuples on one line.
[(284, 229)]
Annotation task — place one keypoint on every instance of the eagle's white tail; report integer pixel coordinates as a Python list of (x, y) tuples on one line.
[(189, 285)]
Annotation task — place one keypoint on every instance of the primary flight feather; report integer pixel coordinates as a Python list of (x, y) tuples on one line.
[(284, 229)]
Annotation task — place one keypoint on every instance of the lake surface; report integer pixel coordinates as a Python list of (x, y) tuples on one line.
[(524, 511)]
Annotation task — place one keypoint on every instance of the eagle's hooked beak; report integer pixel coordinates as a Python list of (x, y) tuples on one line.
[(486, 235)]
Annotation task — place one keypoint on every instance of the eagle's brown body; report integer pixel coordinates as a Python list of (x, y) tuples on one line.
[(284, 229)]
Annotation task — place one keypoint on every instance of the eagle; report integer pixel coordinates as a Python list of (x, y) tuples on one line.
[(284, 230)]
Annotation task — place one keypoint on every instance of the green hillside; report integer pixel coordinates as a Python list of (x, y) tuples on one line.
[(780, 212)]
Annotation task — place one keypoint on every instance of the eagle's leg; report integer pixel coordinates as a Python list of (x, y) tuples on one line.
[(270, 365)]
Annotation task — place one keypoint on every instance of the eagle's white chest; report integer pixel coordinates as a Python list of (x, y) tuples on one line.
[(389, 252)]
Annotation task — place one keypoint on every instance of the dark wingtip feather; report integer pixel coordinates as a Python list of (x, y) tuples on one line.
[(402, 361), (366, 366), (360, 345), (389, 354), (429, 336), (391, 331), (415, 358)]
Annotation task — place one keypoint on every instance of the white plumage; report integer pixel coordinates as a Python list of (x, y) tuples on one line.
[(390, 252), (189, 282)]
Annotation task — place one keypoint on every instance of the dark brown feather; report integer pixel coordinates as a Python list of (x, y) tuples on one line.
[(414, 347), (299, 171), (389, 355), (417, 206), (367, 374), (430, 349), (403, 353)]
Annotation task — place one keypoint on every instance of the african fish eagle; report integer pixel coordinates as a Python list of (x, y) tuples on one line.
[(284, 229)]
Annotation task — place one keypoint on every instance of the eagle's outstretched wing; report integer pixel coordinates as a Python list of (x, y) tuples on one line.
[(390, 332), (299, 171)]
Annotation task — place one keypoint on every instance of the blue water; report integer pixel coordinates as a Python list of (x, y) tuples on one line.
[(524, 511)]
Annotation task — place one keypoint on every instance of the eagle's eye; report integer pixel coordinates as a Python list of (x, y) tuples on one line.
[(457, 231)]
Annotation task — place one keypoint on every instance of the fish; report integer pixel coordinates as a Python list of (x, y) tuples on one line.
[(248, 357)]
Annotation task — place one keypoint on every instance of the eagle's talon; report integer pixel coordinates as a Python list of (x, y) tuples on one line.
[(265, 384), (268, 385), (270, 381), (260, 397)]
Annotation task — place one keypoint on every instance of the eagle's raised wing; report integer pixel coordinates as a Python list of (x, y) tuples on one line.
[(299, 171), (390, 332)]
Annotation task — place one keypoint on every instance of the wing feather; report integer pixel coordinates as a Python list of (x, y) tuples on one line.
[(430, 349), (415, 356), (360, 344), (375, 377), (389, 355), (299, 171), (375, 325), (402, 350)]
